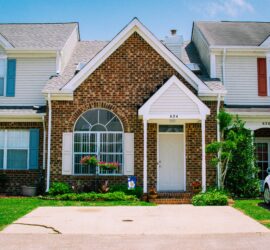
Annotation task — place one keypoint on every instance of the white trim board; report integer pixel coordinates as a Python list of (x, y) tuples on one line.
[(136, 26), (203, 109)]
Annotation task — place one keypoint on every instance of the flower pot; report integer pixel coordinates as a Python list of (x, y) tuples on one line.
[(152, 196), (29, 191)]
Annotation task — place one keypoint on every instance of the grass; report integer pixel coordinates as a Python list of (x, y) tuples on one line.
[(256, 209), (12, 209)]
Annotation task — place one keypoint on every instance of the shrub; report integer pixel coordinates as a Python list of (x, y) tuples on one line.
[(210, 198), (115, 196), (242, 176), (59, 188), (138, 191)]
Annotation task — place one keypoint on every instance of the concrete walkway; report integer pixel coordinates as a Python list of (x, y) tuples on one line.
[(163, 220), (135, 242)]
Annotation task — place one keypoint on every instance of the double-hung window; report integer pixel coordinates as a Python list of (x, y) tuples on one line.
[(3, 70), (14, 149)]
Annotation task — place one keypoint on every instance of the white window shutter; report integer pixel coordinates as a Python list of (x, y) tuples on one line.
[(129, 154), (67, 153)]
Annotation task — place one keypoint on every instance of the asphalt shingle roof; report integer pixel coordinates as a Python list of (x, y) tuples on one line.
[(225, 33), (37, 36), (83, 53)]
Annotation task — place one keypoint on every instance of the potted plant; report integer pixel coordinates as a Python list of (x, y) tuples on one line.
[(196, 187), (90, 162), (152, 194), (108, 167), (30, 190)]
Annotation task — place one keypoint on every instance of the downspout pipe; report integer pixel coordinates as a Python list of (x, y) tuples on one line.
[(49, 143), (44, 143), (218, 139)]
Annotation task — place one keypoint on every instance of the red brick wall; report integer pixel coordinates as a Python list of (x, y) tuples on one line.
[(120, 84), (17, 178), (262, 132)]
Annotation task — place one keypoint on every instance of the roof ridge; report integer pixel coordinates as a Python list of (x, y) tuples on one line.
[(75, 22), (229, 21)]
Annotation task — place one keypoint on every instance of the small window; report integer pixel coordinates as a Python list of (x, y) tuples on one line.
[(14, 149), (171, 128)]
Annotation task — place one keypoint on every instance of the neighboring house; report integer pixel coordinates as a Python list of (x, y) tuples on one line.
[(238, 53), (131, 101)]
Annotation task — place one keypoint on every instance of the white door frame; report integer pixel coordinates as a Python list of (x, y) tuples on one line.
[(184, 141)]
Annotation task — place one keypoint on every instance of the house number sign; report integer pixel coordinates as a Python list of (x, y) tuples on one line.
[(173, 116), (266, 123)]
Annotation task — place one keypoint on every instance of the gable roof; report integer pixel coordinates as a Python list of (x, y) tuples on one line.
[(37, 35), (134, 26), (225, 33), (178, 105)]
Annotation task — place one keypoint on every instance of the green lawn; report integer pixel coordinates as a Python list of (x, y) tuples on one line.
[(256, 209), (13, 208)]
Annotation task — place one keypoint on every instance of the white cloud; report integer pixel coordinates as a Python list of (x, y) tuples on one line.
[(232, 8)]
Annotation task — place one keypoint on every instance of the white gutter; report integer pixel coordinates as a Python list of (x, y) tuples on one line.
[(44, 144), (49, 143), (218, 140)]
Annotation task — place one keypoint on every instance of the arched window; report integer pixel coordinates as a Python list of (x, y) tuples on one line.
[(99, 133)]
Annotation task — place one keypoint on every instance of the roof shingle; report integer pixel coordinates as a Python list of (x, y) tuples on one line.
[(37, 36), (225, 33)]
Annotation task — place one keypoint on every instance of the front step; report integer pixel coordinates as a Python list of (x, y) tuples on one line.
[(173, 198)]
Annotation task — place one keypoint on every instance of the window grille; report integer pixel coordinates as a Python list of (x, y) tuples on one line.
[(98, 132)]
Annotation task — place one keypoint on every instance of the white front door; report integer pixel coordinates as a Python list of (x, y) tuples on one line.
[(171, 162)]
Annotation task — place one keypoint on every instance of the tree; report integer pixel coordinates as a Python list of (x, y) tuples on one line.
[(242, 176), (222, 150), (234, 154)]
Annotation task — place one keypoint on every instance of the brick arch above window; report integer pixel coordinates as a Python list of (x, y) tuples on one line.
[(103, 105)]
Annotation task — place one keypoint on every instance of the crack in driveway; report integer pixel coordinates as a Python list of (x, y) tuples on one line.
[(39, 225)]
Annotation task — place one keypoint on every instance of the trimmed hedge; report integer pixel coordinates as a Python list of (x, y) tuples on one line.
[(138, 191), (210, 198), (115, 196), (58, 188)]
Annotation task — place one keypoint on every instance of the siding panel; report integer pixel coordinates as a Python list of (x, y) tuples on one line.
[(31, 76), (241, 80), (174, 100)]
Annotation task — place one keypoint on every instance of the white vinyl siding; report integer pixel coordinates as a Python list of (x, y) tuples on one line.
[(174, 100), (241, 80), (69, 48), (31, 76), (202, 48)]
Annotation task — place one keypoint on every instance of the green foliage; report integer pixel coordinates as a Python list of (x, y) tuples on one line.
[(242, 176), (225, 120), (59, 188), (210, 198), (138, 191), (115, 196)]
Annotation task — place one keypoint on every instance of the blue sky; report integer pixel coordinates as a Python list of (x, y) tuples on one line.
[(103, 19)]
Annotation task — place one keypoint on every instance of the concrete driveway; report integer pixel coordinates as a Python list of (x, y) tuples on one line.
[(159, 220)]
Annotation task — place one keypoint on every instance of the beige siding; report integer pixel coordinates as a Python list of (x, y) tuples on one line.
[(31, 76), (68, 48), (174, 100), (241, 80), (202, 48)]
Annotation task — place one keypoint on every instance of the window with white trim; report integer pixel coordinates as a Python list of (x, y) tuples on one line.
[(14, 149), (99, 133), (3, 62)]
